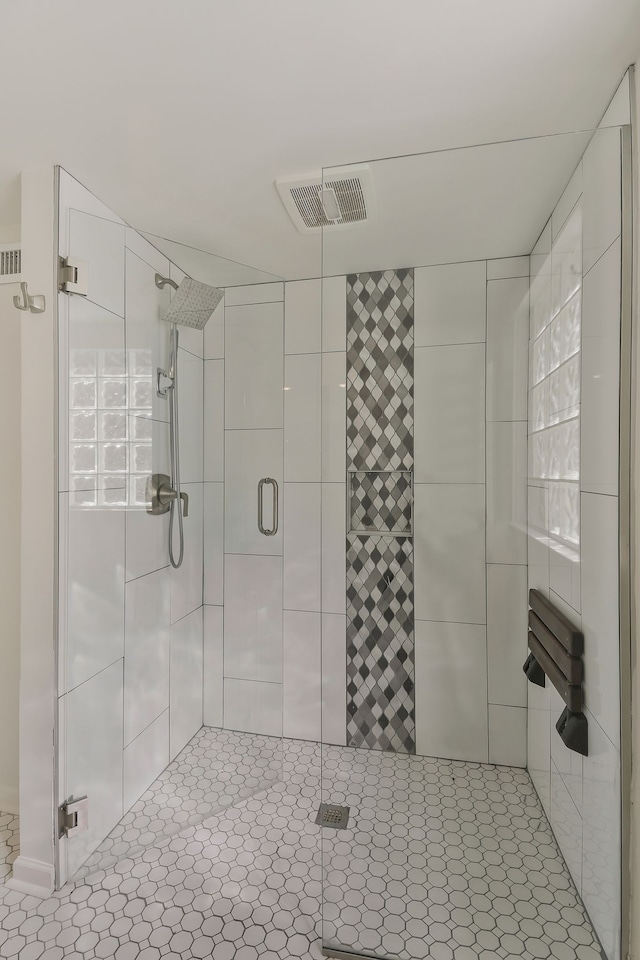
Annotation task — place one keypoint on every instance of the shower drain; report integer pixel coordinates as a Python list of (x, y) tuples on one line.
[(330, 815)]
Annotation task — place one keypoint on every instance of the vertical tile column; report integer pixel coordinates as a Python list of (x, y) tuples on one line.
[(380, 656), (302, 506), (449, 527), (334, 442), (506, 478), (314, 621), (253, 564), (214, 518)]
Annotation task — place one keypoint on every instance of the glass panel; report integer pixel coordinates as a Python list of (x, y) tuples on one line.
[(447, 830), (168, 715)]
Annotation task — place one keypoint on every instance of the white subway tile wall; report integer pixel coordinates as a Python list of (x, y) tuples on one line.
[(470, 509), (573, 514), (185, 713), (451, 691), (147, 639), (303, 387), (302, 418), (251, 651), (450, 435)]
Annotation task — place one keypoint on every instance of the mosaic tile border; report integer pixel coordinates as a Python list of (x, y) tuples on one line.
[(380, 610), (380, 370), (380, 643)]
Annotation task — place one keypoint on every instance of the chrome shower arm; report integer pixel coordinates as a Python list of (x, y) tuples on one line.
[(161, 282)]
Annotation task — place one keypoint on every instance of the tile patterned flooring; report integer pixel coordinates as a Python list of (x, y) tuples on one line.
[(218, 768), (441, 859), (9, 842)]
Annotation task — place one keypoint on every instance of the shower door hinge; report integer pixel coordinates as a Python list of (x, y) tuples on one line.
[(73, 817), (73, 275)]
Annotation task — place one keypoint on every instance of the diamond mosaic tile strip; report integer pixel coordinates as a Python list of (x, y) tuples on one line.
[(380, 704), (380, 370), (9, 843), (380, 502), (380, 662), (453, 861)]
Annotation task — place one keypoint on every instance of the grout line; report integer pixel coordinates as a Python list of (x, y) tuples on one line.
[(252, 429), (271, 683), (604, 252), (127, 496), (93, 677), (253, 303), (137, 737), (149, 573), (486, 513)]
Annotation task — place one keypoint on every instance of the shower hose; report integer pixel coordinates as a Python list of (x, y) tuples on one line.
[(174, 445)]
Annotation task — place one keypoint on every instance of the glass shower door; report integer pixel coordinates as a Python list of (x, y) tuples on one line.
[(254, 510), (168, 711), (459, 817)]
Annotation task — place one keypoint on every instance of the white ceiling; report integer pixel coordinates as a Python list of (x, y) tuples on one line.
[(181, 115), (476, 203)]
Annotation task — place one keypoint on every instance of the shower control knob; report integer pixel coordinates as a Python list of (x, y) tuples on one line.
[(160, 495), (166, 494)]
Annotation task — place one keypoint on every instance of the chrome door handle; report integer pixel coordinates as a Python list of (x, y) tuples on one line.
[(261, 527)]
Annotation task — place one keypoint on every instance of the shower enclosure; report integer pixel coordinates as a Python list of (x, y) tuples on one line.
[(381, 461)]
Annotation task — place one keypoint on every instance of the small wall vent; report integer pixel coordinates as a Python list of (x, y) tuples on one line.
[(343, 198), (10, 262)]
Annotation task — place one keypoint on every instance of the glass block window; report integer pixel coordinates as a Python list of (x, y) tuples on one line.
[(110, 427), (554, 408)]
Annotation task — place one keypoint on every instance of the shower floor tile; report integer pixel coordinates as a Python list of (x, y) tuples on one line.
[(447, 860), (218, 768), (9, 842)]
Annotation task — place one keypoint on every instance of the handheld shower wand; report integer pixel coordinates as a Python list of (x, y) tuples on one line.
[(192, 305)]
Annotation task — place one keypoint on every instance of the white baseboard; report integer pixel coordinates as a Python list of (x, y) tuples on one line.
[(33, 877), (9, 802)]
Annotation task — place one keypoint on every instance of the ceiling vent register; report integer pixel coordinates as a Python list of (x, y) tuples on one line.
[(341, 198), (10, 262)]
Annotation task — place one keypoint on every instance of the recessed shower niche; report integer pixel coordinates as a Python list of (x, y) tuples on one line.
[(380, 502)]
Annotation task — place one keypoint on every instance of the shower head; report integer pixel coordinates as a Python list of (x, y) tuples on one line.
[(192, 304)]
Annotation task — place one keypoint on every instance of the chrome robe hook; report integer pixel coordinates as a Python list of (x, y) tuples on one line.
[(34, 304)]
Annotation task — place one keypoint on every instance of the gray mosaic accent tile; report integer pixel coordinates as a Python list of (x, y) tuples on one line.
[(380, 370), (380, 664), (380, 502), (380, 699)]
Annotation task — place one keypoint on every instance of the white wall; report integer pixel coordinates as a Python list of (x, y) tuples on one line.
[(573, 514), (10, 555), (283, 622), (282, 667), (271, 365), (470, 513)]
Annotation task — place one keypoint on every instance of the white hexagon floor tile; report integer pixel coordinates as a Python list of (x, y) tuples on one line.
[(9, 842), (447, 860)]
